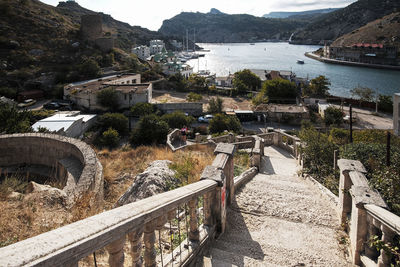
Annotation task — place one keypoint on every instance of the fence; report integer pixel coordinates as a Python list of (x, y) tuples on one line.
[(362, 211)]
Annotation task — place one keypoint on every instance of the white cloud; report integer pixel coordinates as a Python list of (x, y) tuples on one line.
[(150, 14)]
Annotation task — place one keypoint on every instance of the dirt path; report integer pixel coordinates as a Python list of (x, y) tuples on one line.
[(279, 220)]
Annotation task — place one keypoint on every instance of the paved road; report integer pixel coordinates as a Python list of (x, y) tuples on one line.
[(279, 220)]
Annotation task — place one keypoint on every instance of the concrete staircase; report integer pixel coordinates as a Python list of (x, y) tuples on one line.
[(278, 220)]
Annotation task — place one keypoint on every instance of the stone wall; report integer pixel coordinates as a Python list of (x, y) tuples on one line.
[(91, 27), (194, 109), (68, 161)]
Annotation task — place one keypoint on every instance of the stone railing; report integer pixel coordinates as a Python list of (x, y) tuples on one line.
[(257, 152), (288, 142), (363, 212), (227, 138), (138, 221), (268, 138)]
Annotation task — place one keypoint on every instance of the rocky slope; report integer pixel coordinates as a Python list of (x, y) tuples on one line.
[(383, 31), (281, 15), (333, 25), (222, 28)]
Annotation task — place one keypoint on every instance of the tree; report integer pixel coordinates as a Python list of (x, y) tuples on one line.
[(197, 82), (385, 103), (14, 121), (108, 98), (116, 121), (150, 130), (141, 109), (179, 82), (222, 122), (277, 90), (193, 97), (110, 138), (89, 69), (319, 87), (363, 94), (215, 105), (333, 116), (177, 119), (8, 92), (246, 80)]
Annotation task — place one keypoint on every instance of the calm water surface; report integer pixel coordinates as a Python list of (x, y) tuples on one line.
[(229, 58)]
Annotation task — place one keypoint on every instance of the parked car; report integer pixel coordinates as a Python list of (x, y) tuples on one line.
[(206, 118), (52, 106), (347, 118), (27, 103)]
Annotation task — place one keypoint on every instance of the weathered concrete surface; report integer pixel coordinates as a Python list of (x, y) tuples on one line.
[(279, 220)]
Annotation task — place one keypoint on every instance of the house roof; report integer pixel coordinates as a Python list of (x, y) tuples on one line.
[(279, 108), (98, 84), (366, 45), (61, 121)]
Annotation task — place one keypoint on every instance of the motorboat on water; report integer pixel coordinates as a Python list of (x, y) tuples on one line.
[(299, 61)]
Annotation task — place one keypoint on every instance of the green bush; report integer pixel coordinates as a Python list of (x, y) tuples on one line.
[(333, 116), (141, 109), (117, 121), (177, 119), (14, 121), (110, 138), (8, 92), (150, 130), (108, 98), (193, 97), (339, 136), (277, 90), (89, 69), (385, 103), (222, 122), (215, 105)]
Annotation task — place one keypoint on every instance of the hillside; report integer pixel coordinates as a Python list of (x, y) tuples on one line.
[(224, 28), (383, 31), (41, 46), (335, 24), (282, 14)]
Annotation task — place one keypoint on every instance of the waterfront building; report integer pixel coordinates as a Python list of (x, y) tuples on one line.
[(396, 114), (156, 46), (143, 52), (129, 88), (292, 114), (224, 81), (363, 53)]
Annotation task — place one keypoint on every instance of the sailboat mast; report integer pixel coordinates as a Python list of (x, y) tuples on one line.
[(187, 40), (194, 40)]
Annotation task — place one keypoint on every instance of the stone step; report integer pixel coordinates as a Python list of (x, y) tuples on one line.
[(236, 259), (208, 262)]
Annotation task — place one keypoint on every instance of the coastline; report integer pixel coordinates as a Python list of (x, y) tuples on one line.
[(349, 63)]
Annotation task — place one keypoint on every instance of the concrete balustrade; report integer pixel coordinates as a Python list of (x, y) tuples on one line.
[(363, 212)]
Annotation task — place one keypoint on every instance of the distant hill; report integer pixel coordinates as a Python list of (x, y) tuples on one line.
[(332, 25), (41, 45), (282, 15), (215, 11), (382, 31), (223, 28)]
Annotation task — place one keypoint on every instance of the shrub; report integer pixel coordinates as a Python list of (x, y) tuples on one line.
[(116, 121), (13, 120), (333, 116), (8, 92), (221, 122), (110, 138), (193, 97), (177, 119), (215, 105), (150, 130), (339, 136), (141, 109), (385, 103), (89, 69), (108, 98)]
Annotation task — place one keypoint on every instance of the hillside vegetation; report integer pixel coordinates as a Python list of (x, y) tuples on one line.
[(384, 31), (41, 45), (222, 28), (335, 24)]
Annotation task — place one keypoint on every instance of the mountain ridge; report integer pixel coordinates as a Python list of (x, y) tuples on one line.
[(285, 14)]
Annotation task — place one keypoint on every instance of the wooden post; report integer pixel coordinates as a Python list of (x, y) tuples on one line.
[(388, 149), (116, 253), (335, 158), (194, 230), (135, 238)]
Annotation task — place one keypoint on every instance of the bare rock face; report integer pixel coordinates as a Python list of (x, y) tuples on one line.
[(157, 178), (45, 194)]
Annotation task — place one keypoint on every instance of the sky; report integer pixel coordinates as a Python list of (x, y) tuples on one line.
[(151, 14)]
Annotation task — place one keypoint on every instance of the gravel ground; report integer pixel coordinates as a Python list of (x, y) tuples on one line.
[(279, 220)]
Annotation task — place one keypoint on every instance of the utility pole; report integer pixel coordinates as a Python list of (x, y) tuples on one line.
[(351, 124), (376, 100)]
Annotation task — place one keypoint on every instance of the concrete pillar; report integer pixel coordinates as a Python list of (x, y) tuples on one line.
[(135, 238), (193, 221), (149, 239), (387, 237), (208, 200), (358, 231), (116, 253)]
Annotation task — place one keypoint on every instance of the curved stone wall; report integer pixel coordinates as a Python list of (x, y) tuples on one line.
[(68, 161)]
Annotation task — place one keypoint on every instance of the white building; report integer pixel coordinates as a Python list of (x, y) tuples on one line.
[(157, 42), (129, 88), (143, 52), (154, 49), (71, 123), (396, 114)]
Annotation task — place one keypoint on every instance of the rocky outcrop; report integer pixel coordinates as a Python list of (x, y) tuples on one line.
[(45, 194), (157, 178)]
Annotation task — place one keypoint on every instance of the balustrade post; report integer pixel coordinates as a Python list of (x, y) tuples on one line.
[(149, 239), (135, 238), (387, 237), (371, 252), (116, 253), (193, 222), (208, 216), (229, 150)]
